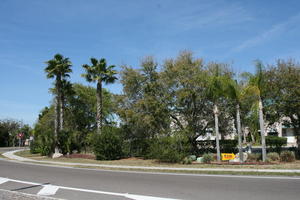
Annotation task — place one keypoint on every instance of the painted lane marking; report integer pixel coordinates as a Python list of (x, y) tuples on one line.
[(141, 197), (3, 180), (48, 189)]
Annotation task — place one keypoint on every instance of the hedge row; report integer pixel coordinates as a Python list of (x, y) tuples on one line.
[(209, 146)]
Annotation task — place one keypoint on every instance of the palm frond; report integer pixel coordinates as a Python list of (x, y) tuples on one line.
[(94, 61)]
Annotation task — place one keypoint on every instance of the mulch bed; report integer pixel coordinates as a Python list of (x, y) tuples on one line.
[(244, 163), (79, 155)]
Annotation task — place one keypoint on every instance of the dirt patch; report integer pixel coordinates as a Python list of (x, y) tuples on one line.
[(132, 158), (78, 155), (244, 163)]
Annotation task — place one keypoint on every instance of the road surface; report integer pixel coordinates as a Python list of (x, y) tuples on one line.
[(70, 183)]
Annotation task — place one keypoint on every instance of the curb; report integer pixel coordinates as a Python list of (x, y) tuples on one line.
[(11, 155)]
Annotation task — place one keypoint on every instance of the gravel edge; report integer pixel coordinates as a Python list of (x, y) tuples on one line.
[(12, 195)]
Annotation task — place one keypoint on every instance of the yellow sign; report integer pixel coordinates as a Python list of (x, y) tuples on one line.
[(227, 156)]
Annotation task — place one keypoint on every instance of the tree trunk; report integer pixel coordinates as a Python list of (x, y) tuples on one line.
[(216, 113), (244, 134), (99, 107), (57, 114), (55, 118), (262, 131), (238, 121), (61, 112)]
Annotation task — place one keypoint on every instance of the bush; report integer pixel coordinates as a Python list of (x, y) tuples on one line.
[(208, 157), (46, 142), (187, 161), (273, 156), (141, 147), (276, 143), (108, 145), (209, 146), (171, 149), (35, 147), (254, 157), (287, 156), (65, 141), (296, 150)]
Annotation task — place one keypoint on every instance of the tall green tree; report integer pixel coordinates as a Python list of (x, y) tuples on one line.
[(283, 86), (100, 73), (59, 68), (256, 87), (184, 86), (81, 114), (9, 128), (217, 82), (235, 92), (143, 113)]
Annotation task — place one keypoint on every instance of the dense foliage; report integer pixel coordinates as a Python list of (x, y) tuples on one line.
[(166, 107), (108, 145), (9, 129), (275, 143)]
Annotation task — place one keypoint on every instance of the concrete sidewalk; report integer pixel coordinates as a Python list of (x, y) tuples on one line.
[(11, 155)]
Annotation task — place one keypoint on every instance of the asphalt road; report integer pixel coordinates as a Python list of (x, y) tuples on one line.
[(149, 184)]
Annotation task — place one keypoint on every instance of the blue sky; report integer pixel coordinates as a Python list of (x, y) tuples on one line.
[(123, 32)]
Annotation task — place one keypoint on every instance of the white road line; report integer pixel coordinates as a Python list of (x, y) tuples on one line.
[(3, 180), (141, 197), (48, 190), (52, 189)]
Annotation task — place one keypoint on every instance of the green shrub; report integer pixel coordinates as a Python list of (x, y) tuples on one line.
[(287, 156), (208, 157), (65, 141), (171, 149), (35, 147), (209, 146), (276, 143), (108, 145), (187, 161), (141, 147), (273, 156), (254, 157), (46, 142)]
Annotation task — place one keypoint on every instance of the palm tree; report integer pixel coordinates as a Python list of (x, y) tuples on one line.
[(59, 68), (235, 93), (216, 90), (255, 87), (99, 72)]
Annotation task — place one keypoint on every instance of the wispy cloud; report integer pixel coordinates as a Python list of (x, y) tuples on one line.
[(12, 62), (212, 15), (275, 31)]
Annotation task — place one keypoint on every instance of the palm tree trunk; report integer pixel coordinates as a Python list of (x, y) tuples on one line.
[(57, 114), (238, 121), (56, 124), (99, 107), (216, 113), (262, 131), (61, 112), (55, 118)]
